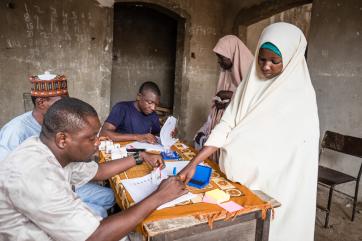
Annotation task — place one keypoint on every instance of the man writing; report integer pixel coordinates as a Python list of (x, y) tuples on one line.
[(135, 120), (36, 197)]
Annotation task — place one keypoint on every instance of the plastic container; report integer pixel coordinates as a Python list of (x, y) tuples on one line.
[(201, 177)]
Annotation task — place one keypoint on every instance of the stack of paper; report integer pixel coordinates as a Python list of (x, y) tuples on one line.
[(220, 198), (142, 187), (179, 165), (118, 152), (217, 196), (146, 146), (231, 206), (166, 132)]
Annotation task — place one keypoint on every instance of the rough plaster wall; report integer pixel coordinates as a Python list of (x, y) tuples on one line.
[(299, 16), (231, 9), (67, 37), (203, 69), (334, 59)]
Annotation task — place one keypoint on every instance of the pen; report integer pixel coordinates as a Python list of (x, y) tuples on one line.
[(174, 171)]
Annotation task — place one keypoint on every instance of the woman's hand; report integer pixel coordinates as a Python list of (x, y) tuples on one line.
[(225, 97), (188, 172), (225, 94), (198, 137), (154, 160)]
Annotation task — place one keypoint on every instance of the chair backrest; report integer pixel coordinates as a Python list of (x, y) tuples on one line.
[(346, 144), (163, 113), (349, 145)]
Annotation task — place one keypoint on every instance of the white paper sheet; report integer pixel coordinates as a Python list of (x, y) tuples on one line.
[(142, 187), (171, 165), (166, 132), (147, 146)]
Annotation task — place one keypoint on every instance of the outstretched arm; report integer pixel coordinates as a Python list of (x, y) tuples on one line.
[(109, 169), (187, 173), (109, 130), (117, 226)]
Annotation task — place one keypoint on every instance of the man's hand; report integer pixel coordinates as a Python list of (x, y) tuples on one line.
[(149, 138), (188, 172), (170, 189), (154, 160)]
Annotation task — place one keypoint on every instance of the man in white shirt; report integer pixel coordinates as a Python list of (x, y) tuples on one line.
[(36, 179), (46, 89)]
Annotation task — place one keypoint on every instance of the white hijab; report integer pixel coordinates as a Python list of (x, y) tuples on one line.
[(269, 135)]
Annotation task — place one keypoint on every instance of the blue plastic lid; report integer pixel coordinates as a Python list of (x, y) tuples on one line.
[(201, 177), (170, 155)]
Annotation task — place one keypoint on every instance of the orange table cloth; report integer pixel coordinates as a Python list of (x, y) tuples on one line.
[(195, 207)]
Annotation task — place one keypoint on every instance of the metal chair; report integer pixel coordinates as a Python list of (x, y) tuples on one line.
[(329, 177)]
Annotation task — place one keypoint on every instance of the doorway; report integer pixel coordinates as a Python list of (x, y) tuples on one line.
[(144, 49)]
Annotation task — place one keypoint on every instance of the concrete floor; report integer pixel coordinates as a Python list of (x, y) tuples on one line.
[(341, 228)]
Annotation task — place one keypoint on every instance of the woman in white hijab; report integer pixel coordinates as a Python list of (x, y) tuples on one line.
[(269, 134)]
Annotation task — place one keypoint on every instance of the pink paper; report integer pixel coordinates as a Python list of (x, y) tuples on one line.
[(208, 199), (231, 206)]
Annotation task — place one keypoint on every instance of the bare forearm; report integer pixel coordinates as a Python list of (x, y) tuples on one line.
[(109, 169), (114, 136), (119, 225), (204, 153)]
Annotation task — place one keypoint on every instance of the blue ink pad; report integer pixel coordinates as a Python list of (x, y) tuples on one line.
[(201, 177), (170, 155)]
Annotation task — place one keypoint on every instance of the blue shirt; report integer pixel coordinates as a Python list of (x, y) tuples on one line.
[(16, 131), (128, 120)]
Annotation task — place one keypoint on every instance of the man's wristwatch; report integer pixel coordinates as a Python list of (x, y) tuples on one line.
[(138, 159)]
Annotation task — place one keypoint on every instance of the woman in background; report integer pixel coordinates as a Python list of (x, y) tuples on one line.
[(234, 59)]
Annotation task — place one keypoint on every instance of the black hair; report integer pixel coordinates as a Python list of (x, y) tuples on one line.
[(66, 115), (150, 86)]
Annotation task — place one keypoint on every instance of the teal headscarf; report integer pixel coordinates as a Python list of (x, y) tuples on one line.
[(272, 48)]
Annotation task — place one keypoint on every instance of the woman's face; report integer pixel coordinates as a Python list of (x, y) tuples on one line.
[(224, 62), (270, 64)]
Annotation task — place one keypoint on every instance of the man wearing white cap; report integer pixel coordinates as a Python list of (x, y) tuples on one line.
[(45, 91)]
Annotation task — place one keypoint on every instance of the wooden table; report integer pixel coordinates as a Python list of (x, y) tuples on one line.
[(249, 226), (245, 227)]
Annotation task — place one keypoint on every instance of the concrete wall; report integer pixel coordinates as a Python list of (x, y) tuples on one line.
[(67, 37), (334, 59), (75, 38), (299, 16)]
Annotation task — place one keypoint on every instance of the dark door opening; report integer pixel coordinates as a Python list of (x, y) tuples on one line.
[(144, 49)]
